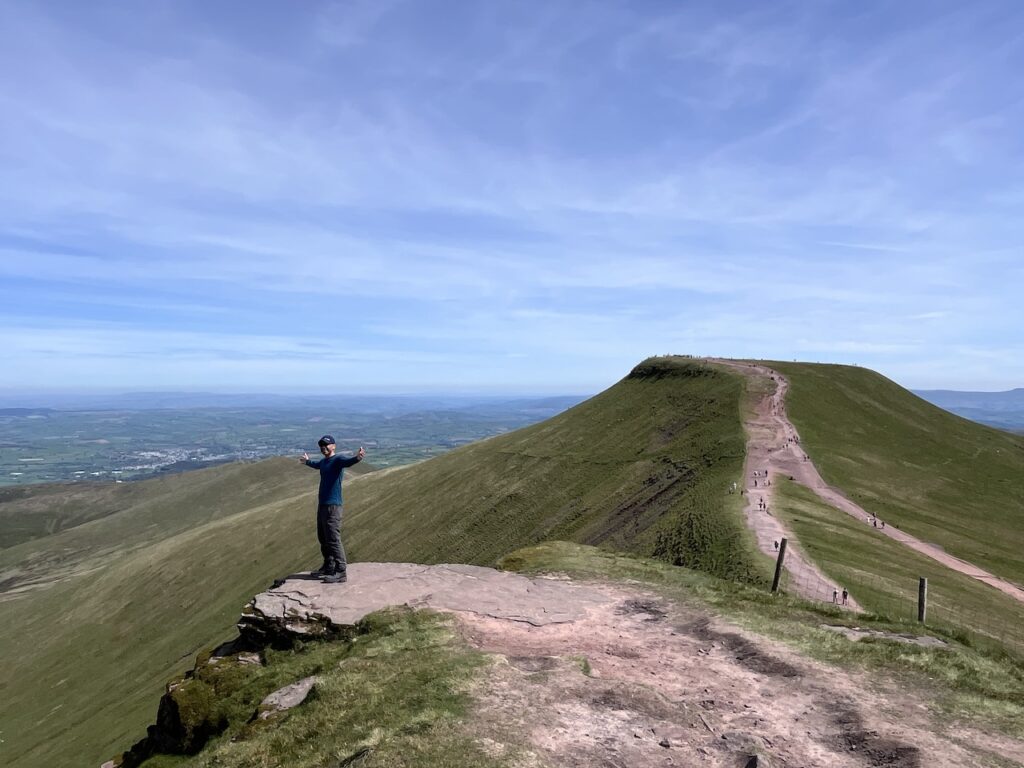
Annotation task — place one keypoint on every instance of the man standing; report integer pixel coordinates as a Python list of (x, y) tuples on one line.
[(328, 510)]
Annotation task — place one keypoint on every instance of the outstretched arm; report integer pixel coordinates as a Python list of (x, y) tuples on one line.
[(304, 459), (354, 459)]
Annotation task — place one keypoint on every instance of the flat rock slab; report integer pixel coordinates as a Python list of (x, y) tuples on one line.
[(303, 605), (286, 698), (856, 633)]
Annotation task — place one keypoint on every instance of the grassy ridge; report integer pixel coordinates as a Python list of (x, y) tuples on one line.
[(31, 512), (643, 466), (882, 574), (942, 478)]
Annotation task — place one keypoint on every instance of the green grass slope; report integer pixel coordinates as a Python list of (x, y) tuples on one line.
[(940, 477), (643, 466), (105, 521), (882, 574), (33, 511)]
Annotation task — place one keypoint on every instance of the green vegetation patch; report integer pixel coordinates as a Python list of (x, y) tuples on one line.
[(396, 695), (124, 602), (33, 511), (883, 575), (643, 467), (94, 523), (940, 477), (978, 682)]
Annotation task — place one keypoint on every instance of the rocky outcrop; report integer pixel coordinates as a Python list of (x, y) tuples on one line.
[(189, 713), (302, 608)]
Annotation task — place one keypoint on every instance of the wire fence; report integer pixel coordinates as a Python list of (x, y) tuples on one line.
[(897, 601)]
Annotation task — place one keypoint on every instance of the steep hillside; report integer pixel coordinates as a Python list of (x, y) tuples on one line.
[(124, 602), (95, 522), (643, 467), (940, 477), (33, 511)]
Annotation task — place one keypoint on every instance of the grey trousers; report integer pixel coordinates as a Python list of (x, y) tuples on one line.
[(328, 533)]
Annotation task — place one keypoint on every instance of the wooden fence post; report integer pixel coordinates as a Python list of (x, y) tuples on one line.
[(778, 566), (922, 599)]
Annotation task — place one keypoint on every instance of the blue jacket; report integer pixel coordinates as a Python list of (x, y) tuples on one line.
[(331, 471)]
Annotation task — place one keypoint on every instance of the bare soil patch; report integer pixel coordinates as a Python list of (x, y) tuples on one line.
[(642, 682)]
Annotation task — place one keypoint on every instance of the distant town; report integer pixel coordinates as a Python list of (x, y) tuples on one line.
[(50, 445)]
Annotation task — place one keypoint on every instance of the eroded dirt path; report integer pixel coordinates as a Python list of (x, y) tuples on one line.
[(768, 441), (774, 442), (593, 674), (642, 682)]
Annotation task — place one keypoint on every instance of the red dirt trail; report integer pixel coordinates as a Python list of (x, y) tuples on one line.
[(773, 444)]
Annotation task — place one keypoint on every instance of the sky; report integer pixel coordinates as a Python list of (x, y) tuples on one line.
[(388, 196)]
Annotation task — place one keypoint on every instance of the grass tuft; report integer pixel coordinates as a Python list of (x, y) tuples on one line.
[(393, 696)]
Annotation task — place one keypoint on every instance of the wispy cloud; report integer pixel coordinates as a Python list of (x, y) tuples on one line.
[(585, 183)]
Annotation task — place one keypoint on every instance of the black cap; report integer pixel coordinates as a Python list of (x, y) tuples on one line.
[(325, 440)]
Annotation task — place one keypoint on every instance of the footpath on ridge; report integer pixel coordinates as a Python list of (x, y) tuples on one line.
[(773, 444), (769, 437)]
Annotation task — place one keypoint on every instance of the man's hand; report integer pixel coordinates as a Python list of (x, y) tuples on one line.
[(304, 458), (361, 452)]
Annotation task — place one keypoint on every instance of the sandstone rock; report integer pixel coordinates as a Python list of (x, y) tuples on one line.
[(302, 607), (285, 698)]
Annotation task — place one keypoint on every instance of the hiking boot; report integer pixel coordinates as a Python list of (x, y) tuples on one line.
[(335, 578), (323, 570)]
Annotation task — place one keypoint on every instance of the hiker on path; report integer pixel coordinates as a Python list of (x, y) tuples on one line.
[(845, 595), (328, 510)]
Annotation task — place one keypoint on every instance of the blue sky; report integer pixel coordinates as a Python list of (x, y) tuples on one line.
[(506, 196)]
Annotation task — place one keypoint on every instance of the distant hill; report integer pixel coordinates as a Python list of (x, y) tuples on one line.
[(1011, 400), (115, 606), (999, 409), (26, 403), (23, 413)]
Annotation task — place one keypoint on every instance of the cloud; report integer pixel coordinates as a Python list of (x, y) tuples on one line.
[(590, 180)]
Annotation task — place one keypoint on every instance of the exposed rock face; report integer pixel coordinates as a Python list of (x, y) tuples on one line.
[(186, 718), (304, 607), (188, 714)]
